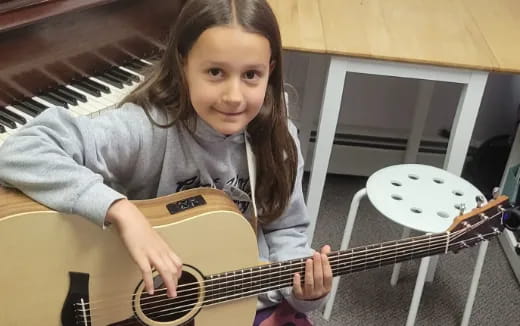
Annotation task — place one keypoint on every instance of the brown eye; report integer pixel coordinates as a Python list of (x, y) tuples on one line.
[(251, 74), (214, 72)]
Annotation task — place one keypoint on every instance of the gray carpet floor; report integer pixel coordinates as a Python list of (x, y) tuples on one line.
[(367, 298)]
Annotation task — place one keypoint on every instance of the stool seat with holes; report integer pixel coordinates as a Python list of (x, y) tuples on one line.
[(422, 198)]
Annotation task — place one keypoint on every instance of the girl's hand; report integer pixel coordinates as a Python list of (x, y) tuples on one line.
[(145, 245), (318, 277)]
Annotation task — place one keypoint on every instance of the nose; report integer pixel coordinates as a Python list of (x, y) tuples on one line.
[(233, 94)]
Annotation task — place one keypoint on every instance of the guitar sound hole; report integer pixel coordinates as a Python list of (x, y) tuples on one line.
[(161, 308)]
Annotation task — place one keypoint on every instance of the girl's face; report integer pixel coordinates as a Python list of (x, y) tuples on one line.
[(227, 71)]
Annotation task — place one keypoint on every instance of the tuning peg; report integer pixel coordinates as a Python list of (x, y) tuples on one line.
[(480, 200), (496, 192), (462, 208), (511, 219)]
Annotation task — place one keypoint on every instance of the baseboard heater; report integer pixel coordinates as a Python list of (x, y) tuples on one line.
[(362, 155)]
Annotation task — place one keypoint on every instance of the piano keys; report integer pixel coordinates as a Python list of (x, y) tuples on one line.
[(88, 97), (83, 55)]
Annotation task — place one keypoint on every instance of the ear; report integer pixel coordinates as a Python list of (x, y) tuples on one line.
[(272, 65)]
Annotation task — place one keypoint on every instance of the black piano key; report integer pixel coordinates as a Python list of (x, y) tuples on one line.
[(2, 129), (96, 85), (118, 78), (125, 74), (111, 81), (25, 109), (137, 65), (53, 100), (35, 105), (7, 122), (70, 92), (6, 113), (63, 97), (87, 89)]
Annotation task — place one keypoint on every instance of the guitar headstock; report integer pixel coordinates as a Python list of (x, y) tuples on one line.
[(483, 223)]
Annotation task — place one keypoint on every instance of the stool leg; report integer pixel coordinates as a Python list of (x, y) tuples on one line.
[(397, 267), (474, 283), (432, 268), (417, 292), (354, 206)]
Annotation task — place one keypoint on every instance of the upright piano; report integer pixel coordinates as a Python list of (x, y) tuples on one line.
[(83, 55)]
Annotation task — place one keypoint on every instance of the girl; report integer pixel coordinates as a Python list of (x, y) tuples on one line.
[(216, 92)]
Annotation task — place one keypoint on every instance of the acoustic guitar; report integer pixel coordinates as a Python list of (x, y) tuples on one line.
[(57, 269)]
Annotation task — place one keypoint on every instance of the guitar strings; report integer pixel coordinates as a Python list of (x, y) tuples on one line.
[(275, 268), (334, 261), (212, 302)]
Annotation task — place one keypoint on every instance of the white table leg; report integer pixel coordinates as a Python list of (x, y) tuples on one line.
[(329, 113), (461, 131), (464, 122)]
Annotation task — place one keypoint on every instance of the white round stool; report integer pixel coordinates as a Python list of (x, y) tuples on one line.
[(419, 197)]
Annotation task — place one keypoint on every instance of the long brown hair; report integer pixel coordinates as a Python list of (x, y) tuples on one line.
[(165, 87)]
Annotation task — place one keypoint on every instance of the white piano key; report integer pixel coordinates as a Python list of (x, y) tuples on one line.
[(145, 62), (20, 113), (128, 70), (99, 103)]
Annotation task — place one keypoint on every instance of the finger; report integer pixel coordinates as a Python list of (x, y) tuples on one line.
[(146, 271), (309, 277), (166, 276), (297, 286), (327, 270), (325, 249), (171, 270), (318, 273), (177, 263)]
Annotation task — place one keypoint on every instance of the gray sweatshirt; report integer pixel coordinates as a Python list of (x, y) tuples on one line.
[(81, 165)]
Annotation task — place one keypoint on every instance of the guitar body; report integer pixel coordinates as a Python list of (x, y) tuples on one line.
[(39, 248)]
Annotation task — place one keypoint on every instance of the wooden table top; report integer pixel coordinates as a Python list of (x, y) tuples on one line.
[(474, 34), (499, 23), (300, 24)]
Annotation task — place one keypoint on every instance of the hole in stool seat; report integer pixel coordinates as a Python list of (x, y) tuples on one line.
[(443, 214), (438, 180), (396, 183), (416, 210), (397, 197), (413, 176), (458, 193)]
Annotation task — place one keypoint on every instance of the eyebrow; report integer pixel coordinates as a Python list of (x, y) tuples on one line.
[(224, 64)]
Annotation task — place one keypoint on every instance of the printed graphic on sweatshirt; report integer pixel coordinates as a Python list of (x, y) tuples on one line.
[(230, 187)]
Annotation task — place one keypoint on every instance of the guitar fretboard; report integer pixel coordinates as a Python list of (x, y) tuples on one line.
[(255, 280)]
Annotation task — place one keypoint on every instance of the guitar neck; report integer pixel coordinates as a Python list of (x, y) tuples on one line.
[(260, 279)]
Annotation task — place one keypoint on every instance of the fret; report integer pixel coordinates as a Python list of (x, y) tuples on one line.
[(374, 256), (380, 254), (366, 258), (280, 274), (429, 243), (396, 254), (258, 280), (413, 249), (251, 281)]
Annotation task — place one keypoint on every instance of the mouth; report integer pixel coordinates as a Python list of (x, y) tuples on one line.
[(229, 114)]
